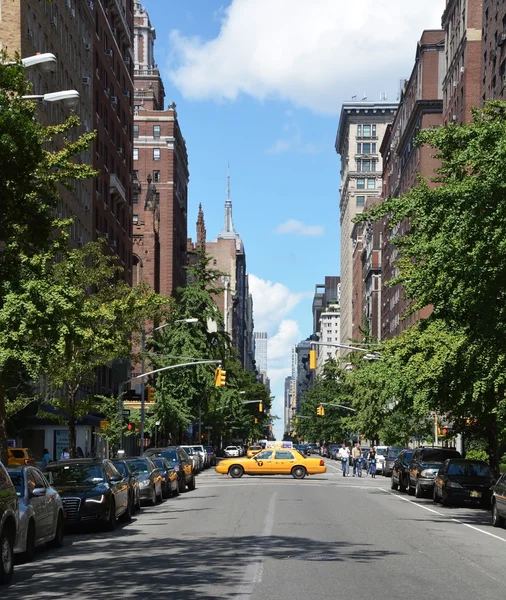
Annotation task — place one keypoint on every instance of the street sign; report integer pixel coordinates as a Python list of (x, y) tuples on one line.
[(126, 412)]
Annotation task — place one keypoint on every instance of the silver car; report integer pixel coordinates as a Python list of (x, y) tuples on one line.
[(202, 451), (198, 462), (40, 511)]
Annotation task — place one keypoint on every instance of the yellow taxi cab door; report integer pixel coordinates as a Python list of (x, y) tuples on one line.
[(284, 460), (261, 463)]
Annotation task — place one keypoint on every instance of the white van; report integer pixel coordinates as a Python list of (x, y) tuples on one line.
[(381, 455)]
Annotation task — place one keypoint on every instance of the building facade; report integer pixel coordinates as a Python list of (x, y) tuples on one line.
[(261, 351), (360, 131), (330, 333), (160, 173), (462, 23), (493, 50), (421, 107)]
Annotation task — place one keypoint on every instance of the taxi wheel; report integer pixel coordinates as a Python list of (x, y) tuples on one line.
[(299, 472), (236, 471), (6, 556)]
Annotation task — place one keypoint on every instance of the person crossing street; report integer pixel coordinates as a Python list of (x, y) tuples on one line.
[(344, 455), (356, 454)]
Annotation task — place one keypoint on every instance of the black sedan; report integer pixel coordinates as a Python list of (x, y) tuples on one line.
[(400, 470), (460, 480), (170, 485), (133, 485), (181, 462), (149, 478), (92, 490), (499, 502)]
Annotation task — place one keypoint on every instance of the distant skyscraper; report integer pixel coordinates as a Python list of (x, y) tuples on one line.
[(261, 351)]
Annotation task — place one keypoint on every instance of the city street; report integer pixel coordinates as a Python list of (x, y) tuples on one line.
[(263, 538)]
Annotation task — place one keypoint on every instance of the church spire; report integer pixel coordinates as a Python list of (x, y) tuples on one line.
[(228, 232), (201, 227)]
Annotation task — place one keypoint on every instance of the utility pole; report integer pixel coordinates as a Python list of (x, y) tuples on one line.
[(143, 403)]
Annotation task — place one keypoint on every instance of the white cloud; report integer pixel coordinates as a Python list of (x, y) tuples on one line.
[(272, 302), (293, 142), (299, 228), (279, 345), (313, 53)]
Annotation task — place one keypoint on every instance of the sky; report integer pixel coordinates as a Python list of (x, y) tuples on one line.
[(259, 85)]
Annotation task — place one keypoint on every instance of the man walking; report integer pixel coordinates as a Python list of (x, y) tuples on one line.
[(344, 456), (356, 453)]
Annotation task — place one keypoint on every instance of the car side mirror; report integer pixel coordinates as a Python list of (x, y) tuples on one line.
[(38, 492), (115, 478)]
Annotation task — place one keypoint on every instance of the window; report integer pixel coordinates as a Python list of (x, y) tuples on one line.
[(135, 219), (136, 174), (360, 183), (156, 131), (156, 153), (371, 184), (156, 176), (136, 131), (135, 198), (366, 130), (360, 200), (359, 148), (284, 455), (136, 153)]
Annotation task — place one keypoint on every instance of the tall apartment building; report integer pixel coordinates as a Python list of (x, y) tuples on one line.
[(287, 406), (360, 131), (112, 81), (462, 23), (372, 282), (65, 29), (420, 107), (160, 173), (261, 343), (304, 376), (330, 333), (325, 294), (493, 83)]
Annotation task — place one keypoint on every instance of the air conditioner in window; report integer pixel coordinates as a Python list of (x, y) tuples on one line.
[(114, 100), (90, 4), (108, 52), (106, 236), (86, 80), (107, 91), (114, 30), (73, 13), (80, 240), (53, 21), (126, 60), (126, 93), (120, 150), (87, 207), (113, 244), (67, 3), (87, 47), (501, 39)]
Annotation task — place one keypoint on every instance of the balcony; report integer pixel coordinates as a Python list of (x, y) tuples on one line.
[(117, 188)]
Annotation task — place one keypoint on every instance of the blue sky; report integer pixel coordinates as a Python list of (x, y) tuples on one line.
[(259, 84)]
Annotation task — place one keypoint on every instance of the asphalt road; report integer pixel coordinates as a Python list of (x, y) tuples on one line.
[(276, 538)]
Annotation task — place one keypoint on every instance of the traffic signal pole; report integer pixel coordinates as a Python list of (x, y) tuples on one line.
[(143, 402)]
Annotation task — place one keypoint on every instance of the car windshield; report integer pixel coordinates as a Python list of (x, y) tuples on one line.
[(438, 456), (466, 469), (121, 468), (170, 455), (393, 452), (197, 449), (381, 451), (19, 482), (408, 455), (159, 462), (139, 466), (76, 474)]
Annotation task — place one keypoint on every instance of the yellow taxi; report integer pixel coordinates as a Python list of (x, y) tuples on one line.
[(273, 461), (19, 457), (252, 450)]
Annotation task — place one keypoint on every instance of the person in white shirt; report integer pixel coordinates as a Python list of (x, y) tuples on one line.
[(65, 454), (344, 455)]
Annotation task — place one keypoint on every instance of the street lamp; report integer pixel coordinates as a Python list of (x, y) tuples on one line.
[(45, 61), (69, 97)]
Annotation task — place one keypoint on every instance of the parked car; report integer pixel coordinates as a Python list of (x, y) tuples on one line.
[(424, 466), (499, 502), (40, 511), (149, 477), (231, 451), (315, 448), (19, 457), (8, 525), (460, 480), (169, 476), (381, 452), (282, 461), (333, 450), (92, 490), (200, 450), (211, 454), (391, 455), (181, 462), (133, 485), (400, 470), (198, 462)]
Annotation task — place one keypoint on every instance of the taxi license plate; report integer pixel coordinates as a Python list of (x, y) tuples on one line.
[(475, 494)]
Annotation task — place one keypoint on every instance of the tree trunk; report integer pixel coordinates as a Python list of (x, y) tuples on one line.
[(493, 443), (72, 425), (3, 426)]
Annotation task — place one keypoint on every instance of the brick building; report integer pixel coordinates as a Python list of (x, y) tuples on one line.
[(371, 275), (462, 24), (420, 107), (160, 176), (357, 279), (493, 83), (65, 29)]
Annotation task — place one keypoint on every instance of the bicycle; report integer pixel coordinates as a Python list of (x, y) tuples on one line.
[(372, 467), (345, 466)]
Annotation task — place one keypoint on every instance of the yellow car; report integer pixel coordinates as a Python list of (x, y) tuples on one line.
[(19, 457), (273, 461), (252, 450)]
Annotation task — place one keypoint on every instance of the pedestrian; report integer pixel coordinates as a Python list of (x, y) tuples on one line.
[(65, 454), (344, 455), (46, 458), (79, 452), (356, 453), (372, 461)]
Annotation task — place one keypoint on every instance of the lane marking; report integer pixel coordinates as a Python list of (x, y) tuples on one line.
[(253, 573), (497, 537)]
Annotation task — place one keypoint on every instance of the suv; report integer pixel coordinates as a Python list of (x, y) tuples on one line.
[(424, 466), (8, 525)]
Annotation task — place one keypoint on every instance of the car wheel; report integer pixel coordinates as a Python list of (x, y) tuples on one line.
[(418, 490), (236, 471), (111, 519), (166, 490), (159, 497), (192, 485), (402, 485), (410, 490), (57, 541), (446, 499), (152, 499), (393, 485), (29, 553), (497, 520), (298, 472), (435, 497), (6, 556), (175, 493), (138, 503), (126, 517)]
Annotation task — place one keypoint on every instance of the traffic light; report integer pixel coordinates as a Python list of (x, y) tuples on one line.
[(260, 407), (220, 377), (150, 393), (296, 419), (312, 359), (130, 426), (320, 411), (256, 420)]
